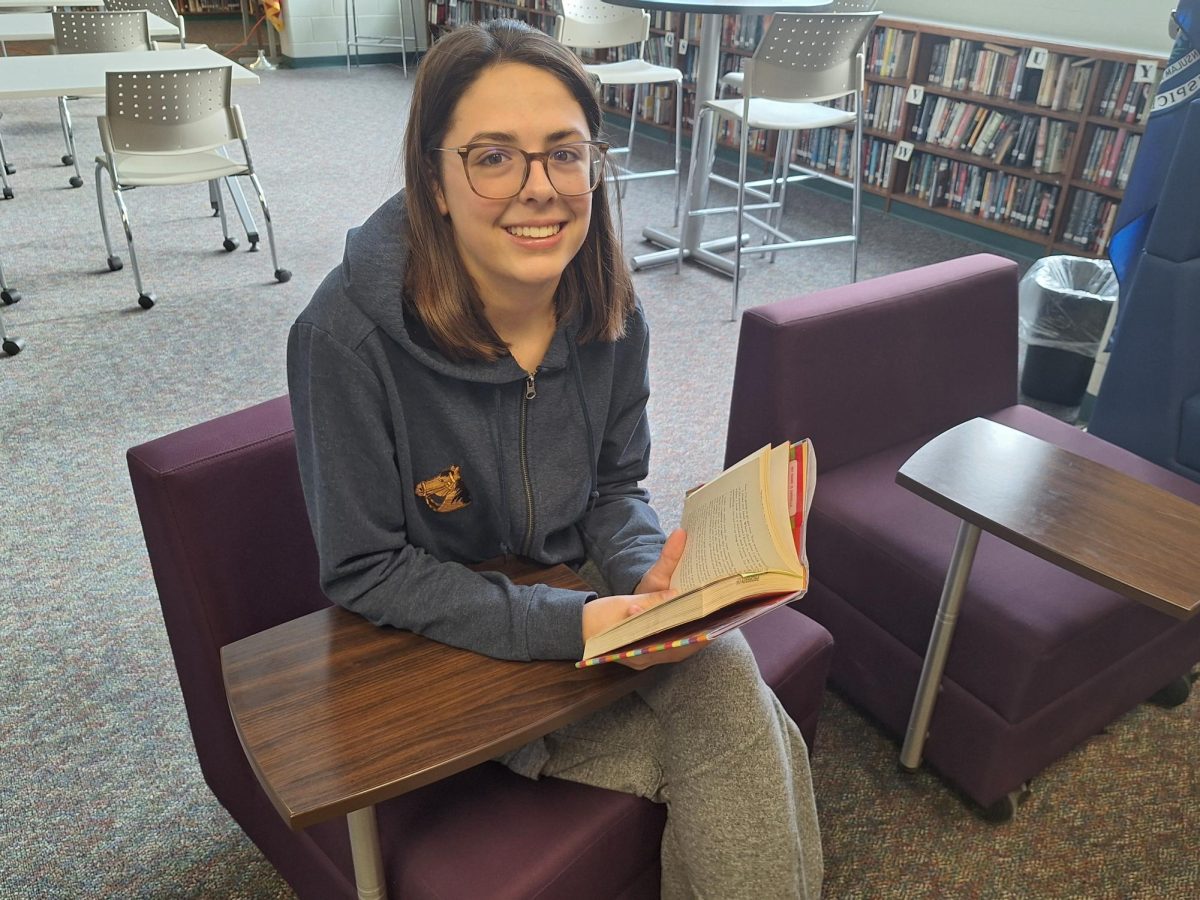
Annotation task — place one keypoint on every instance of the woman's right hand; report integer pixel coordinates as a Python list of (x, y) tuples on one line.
[(604, 612)]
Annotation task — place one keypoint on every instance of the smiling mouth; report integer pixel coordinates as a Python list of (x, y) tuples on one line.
[(534, 231)]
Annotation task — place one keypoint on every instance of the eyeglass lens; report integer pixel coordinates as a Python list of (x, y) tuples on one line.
[(498, 172)]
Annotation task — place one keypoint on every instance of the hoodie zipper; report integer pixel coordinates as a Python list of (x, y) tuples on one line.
[(530, 394)]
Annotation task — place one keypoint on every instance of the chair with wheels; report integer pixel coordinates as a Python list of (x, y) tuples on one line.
[(168, 128), (801, 62), (164, 9), (95, 32), (10, 345), (594, 25)]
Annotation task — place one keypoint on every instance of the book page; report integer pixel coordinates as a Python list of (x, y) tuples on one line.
[(727, 527)]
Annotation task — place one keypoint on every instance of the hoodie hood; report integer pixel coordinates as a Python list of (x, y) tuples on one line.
[(372, 272)]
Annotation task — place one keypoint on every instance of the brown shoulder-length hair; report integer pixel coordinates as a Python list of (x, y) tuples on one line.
[(595, 287)]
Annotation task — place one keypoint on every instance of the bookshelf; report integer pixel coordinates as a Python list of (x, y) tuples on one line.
[(1029, 138)]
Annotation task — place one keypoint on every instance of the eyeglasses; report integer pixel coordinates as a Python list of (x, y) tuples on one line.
[(498, 171)]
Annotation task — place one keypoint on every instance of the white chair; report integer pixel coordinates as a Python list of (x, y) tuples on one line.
[(164, 9), (801, 62), (166, 128), (735, 78), (593, 25), (95, 32)]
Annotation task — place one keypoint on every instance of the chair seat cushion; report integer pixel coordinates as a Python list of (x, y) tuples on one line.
[(783, 115), (1028, 631), (134, 169), (634, 71)]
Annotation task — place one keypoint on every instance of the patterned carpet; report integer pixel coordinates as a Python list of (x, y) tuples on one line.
[(101, 796)]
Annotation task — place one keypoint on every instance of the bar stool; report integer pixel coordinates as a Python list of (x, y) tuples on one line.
[(593, 25), (801, 62)]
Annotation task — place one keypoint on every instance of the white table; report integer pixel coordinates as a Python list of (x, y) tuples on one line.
[(40, 27), (82, 74), (688, 240)]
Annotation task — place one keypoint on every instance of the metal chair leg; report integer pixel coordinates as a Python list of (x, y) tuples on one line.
[(743, 152), (281, 275), (114, 261), (678, 145), (71, 157), (5, 170), (145, 300)]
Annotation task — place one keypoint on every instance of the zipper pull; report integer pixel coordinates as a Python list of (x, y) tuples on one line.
[(530, 387)]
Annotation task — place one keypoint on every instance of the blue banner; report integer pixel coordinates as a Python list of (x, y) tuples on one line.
[(1179, 86)]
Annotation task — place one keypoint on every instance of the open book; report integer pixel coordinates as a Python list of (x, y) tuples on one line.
[(744, 556)]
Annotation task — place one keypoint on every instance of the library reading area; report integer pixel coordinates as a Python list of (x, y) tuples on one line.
[(600, 449)]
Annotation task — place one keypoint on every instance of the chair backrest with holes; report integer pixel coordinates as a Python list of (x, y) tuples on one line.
[(101, 32), (811, 57), (164, 9), (591, 24), (838, 6), (176, 111)]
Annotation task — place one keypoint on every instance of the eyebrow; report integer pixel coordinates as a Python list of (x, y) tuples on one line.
[(505, 137)]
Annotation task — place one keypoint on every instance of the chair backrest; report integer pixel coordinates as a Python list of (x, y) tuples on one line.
[(592, 24), (176, 111), (101, 32), (866, 366), (164, 9), (811, 57), (232, 552), (839, 6)]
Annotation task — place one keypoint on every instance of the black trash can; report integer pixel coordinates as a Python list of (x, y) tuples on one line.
[(1065, 302)]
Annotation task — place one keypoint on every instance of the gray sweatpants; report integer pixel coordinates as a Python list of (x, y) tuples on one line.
[(708, 738)]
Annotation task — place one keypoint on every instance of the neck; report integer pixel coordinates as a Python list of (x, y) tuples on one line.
[(527, 328)]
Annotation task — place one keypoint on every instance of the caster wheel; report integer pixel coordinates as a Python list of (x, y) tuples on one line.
[(68, 159), (12, 346), (76, 181), (115, 264), (1004, 809), (10, 169), (1173, 694), (145, 301), (8, 193), (10, 297), (282, 275), (230, 245)]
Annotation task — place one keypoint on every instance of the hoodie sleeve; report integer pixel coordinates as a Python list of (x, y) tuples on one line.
[(621, 531), (346, 451)]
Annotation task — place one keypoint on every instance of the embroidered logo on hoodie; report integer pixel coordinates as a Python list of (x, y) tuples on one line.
[(445, 491)]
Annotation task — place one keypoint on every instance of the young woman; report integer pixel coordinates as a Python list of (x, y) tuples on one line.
[(471, 382)]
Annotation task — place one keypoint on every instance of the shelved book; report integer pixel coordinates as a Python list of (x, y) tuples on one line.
[(744, 556)]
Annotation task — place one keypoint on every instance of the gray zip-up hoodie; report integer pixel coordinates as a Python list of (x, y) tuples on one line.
[(413, 464)]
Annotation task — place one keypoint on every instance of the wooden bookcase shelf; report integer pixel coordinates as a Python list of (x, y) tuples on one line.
[(1031, 139)]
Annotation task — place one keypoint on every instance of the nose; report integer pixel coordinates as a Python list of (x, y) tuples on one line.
[(537, 185)]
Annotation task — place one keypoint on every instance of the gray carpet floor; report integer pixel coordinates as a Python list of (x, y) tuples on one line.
[(101, 795)]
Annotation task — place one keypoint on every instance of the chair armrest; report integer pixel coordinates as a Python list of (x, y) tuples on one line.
[(863, 367)]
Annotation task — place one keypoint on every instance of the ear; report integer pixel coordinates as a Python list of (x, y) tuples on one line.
[(440, 197)]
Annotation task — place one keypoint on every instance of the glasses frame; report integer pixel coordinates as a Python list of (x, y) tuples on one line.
[(530, 158)]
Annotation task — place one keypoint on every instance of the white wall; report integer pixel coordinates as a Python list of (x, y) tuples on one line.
[(1139, 25), (317, 28)]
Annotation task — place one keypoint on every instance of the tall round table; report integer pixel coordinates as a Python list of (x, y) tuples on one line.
[(687, 241)]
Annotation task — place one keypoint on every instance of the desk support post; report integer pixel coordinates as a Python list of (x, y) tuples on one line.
[(939, 644), (368, 860)]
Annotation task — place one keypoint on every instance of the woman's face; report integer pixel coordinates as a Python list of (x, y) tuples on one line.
[(515, 249)]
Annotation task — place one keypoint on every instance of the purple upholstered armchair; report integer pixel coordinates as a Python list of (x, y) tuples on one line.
[(229, 542), (1041, 658)]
